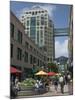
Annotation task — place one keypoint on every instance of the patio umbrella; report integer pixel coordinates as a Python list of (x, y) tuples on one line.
[(58, 74), (51, 73), (41, 73), (14, 70)]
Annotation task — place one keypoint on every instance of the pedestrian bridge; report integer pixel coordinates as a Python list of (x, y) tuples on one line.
[(61, 32)]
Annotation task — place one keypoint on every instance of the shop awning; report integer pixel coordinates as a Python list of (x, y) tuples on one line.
[(14, 70)]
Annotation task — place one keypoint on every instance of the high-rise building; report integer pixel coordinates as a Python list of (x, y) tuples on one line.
[(39, 27), (70, 43)]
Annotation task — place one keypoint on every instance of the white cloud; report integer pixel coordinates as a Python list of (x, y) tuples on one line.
[(61, 49), (49, 8)]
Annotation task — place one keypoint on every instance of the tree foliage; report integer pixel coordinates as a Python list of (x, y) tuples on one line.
[(52, 67)]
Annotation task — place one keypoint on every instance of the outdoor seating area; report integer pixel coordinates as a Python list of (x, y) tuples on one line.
[(33, 86)]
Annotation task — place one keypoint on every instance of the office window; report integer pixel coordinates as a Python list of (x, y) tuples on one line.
[(28, 33), (31, 59), (41, 42), (38, 36), (37, 27), (38, 22), (34, 51), (33, 13), (11, 50), (26, 12), (19, 54), (32, 32), (26, 56), (39, 11), (27, 45), (45, 14), (42, 20), (38, 17), (36, 12), (19, 36), (38, 62), (51, 25), (34, 60), (12, 30), (41, 27), (31, 48), (22, 16), (27, 22), (27, 28), (41, 34), (42, 11), (28, 18), (33, 21)]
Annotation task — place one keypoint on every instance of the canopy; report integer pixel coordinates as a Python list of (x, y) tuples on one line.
[(14, 70), (41, 73), (51, 73)]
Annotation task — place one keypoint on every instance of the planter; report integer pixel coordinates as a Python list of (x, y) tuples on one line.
[(23, 88)]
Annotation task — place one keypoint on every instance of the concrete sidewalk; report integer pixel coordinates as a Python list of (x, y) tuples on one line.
[(52, 92)]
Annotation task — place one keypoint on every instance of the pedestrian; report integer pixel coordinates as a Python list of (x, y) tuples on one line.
[(17, 83), (69, 83), (56, 84), (37, 87), (47, 84), (66, 79), (40, 84), (16, 80), (61, 81)]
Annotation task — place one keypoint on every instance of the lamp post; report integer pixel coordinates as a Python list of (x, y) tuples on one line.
[(58, 66)]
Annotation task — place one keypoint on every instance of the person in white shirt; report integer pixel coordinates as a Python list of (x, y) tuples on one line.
[(61, 81)]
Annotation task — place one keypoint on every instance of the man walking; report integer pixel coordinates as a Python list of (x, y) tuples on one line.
[(70, 84), (61, 81)]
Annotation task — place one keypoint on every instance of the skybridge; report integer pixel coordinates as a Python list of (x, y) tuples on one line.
[(61, 32)]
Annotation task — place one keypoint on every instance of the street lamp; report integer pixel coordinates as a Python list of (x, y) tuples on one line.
[(58, 66)]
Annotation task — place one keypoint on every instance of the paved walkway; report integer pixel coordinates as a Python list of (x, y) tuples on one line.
[(52, 92)]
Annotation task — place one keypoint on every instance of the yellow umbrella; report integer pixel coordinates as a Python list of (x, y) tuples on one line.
[(41, 73)]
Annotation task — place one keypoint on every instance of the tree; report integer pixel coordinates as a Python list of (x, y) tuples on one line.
[(52, 67)]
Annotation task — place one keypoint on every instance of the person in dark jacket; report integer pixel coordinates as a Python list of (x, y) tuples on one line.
[(56, 84)]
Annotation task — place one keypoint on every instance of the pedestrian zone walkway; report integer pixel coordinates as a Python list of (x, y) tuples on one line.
[(52, 92)]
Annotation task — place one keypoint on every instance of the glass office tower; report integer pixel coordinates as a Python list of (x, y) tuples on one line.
[(39, 27)]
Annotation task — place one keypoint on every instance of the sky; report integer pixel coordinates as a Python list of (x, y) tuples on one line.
[(59, 13)]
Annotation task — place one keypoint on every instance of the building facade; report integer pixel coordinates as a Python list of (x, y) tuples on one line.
[(24, 52), (39, 27), (70, 42)]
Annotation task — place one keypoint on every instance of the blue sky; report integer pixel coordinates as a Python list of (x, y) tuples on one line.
[(58, 13)]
